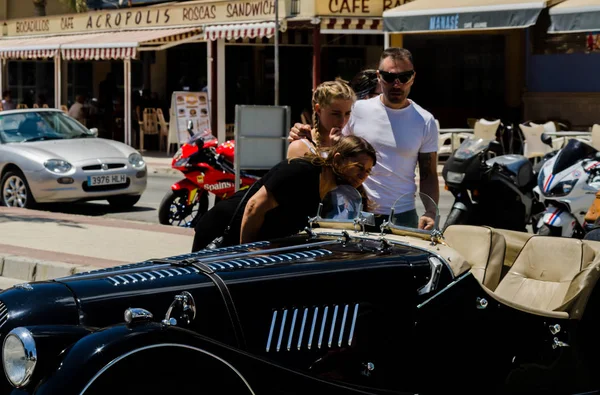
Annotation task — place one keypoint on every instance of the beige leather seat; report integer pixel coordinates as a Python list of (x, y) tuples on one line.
[(551, 276), (482, 247)]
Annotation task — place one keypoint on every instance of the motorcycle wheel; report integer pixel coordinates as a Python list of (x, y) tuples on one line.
[(456, 217), (174, 210)]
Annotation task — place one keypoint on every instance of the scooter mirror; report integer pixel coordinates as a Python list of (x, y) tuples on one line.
[(597, 155), (190, 128), (546, 139), (496, 147)]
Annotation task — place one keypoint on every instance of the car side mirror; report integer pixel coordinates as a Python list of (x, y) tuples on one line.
[(94, 132), (547, 139)]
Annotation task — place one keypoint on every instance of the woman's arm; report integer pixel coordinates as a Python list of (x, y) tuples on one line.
[(297, 149), (254, 214)]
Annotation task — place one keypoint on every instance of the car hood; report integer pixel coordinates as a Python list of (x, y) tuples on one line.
[(75, 150)]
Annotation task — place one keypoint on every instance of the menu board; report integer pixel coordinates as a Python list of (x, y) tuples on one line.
[(189, 106)]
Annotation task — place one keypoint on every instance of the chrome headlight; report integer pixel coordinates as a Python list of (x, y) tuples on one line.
[(136, 160), (58, 166), (19, 357)]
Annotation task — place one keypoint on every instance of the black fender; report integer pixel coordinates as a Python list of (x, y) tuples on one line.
[(154, 358)]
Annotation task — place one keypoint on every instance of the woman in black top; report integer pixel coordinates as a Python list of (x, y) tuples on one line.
[(280, 203)]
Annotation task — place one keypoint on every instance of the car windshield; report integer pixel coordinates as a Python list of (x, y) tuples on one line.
[(471, 147), (574, 151), (342, 204), (32, 126), (409, 211)]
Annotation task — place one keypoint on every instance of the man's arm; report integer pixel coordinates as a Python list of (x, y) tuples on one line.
[(254, 214), (428, 185)]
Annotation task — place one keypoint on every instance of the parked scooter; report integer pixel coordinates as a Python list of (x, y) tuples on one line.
[(208, 168), (489, 188), (567, 185)]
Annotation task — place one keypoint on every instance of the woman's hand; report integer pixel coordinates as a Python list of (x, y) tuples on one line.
[(254, 214)]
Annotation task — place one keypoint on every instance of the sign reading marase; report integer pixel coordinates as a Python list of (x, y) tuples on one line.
[(172, 15)]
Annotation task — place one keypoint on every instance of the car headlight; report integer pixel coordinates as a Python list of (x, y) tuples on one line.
[(58, 166), (136, 160), (19, 357)]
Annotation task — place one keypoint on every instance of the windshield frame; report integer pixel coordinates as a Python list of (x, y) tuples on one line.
[(51, 125)]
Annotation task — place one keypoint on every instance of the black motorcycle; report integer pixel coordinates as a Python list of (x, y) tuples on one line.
[(490, 188)]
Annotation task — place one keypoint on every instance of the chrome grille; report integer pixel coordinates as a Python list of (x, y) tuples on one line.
[(201, 253), (326, 326), (3, 314), (109, 166), (268, 260), (252, 261)]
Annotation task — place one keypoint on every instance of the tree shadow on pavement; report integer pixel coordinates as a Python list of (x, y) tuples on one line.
[(22, 218), (91, 209)]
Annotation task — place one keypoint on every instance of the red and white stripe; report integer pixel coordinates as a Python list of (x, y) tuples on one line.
[(237, 31), (28, 54), (99, 53)]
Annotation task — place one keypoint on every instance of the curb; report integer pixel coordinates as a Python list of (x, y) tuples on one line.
[(19, 269)]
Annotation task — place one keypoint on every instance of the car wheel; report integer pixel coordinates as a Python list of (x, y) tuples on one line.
[(124, 201), (15, 190)]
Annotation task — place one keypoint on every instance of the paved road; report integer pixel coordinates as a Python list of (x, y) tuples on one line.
[(146, 210)]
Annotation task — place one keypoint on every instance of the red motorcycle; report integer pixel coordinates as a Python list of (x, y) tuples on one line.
[(208, 168)]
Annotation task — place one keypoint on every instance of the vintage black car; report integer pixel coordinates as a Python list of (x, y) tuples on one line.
[(332, 310)]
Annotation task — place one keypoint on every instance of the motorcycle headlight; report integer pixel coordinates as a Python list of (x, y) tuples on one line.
[(19, 357), (563, 188), (58, 166), (136, 160), (182, 162), (455, 178)]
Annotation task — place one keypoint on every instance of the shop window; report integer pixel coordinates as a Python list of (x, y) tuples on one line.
[(31, 82), (79, 81)]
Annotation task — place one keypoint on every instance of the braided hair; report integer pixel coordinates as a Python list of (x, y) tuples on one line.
[(323, 96)]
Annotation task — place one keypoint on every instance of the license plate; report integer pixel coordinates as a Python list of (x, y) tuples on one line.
[(94, 181)]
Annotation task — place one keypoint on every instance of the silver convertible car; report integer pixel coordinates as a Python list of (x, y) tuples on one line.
[(47, 156)]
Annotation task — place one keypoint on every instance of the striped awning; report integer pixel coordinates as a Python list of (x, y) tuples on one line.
[(121, 45), (351, 25), (240, 30), (96, 46), (32, 48)]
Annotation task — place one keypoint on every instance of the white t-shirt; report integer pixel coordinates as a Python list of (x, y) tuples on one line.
[(398, 136)]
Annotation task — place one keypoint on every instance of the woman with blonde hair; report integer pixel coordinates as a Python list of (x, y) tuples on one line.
[(332, 104)]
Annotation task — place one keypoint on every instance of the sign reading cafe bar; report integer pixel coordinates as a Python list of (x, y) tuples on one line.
[(171, 15)]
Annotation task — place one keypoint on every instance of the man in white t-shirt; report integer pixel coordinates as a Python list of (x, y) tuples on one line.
[(404, 135)]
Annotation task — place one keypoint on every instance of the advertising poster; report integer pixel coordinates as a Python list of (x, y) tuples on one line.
[(189, 106)]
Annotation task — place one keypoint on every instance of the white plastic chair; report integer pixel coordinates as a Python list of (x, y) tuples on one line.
[(596, 136), (486, 129), (444, 141), (550, 127), (534, 147)]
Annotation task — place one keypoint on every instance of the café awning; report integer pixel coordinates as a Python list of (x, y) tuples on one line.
[(351, 25), (236, 31), (32, 48), (125, 44), (421, 16), (574, 16)]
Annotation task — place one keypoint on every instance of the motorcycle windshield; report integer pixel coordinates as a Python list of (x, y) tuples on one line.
[(573, 152), (471, 147)]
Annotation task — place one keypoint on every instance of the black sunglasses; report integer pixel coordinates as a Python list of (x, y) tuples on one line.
[(403, 77)]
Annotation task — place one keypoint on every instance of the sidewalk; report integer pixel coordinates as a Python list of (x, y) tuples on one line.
[(39, 245)]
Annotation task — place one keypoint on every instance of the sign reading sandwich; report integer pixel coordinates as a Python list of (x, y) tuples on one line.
[(179, 14)]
